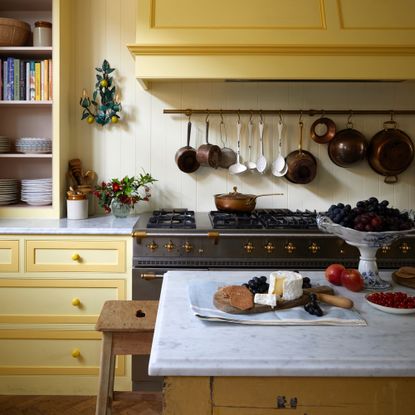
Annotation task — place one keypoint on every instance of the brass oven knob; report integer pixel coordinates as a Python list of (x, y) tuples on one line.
[(404, 247), (249, 247), (314, 248), (188, 247), (169, 246), (269, 247), (385, 249), (152, 246), (290, 247)]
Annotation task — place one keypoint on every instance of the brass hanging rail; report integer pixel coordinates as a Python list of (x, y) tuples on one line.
[(311, 112)]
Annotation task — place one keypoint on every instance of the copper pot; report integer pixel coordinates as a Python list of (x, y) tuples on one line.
[(208, 154), (348, 147), (390, 152), (238, 202), (186, 156), (329, 130), (302, 165)]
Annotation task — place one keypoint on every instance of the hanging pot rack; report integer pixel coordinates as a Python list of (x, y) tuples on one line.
[(311, 112)]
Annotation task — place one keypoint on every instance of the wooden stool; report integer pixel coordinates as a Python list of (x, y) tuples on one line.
[(127, 329)]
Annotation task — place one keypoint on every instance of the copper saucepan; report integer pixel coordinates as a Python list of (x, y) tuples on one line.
[(302, 165), (323, 130), (390, 152), (238, 202), (186, 156), (208, 154)]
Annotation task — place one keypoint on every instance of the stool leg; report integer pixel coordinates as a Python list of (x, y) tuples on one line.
[(112, 377), (104, 375)]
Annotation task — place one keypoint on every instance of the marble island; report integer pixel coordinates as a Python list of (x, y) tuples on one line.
[(240, 369)]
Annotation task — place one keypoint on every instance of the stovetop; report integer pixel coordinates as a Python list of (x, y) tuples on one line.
[(261, 219)]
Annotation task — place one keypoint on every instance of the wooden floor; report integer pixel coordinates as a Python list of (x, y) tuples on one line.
[(130, 404)]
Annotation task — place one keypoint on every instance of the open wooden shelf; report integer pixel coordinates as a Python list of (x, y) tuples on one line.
[(24, 103), (26, 155), (30, 51)]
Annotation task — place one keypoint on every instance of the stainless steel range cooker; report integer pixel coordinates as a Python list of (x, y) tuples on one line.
[(266, 239)]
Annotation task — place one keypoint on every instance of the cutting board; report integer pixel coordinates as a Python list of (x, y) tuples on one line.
[(223, 303), (406, 282)]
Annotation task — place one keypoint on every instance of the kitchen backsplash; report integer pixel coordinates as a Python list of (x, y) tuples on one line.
[(149, 139)]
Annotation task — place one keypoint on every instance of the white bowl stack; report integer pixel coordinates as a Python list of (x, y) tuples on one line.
[(33, 145), (37, 192), (9, 191), (4, 145)]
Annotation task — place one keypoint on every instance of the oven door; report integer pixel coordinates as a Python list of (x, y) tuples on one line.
[(147, 286)]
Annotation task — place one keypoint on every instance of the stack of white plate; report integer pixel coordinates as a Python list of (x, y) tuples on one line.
[(37, 192), (9, 191), (33, 145), (4, 145)]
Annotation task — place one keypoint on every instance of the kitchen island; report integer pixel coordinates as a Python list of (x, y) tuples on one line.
[(228, 369)]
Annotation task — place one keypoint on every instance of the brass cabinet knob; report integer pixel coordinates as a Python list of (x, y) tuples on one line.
[(169, 246), (269, 247), (385, 249), (152, 246), (249, 247), (313, 248), (76, 302), (76, 353), (75, 257), (404, 247), (290, 247), (188, 247)]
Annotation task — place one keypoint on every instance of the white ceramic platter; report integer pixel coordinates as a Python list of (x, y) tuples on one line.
[(390, 310)]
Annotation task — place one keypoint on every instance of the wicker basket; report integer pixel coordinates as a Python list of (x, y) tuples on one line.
[(13, 32)]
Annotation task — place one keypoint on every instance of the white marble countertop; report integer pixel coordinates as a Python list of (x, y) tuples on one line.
[(184, 345), (98, 225)]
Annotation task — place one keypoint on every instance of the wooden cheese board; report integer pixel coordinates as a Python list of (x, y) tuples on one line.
[(223, 303)]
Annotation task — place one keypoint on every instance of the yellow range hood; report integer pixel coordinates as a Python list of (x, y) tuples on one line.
[(274, 40)]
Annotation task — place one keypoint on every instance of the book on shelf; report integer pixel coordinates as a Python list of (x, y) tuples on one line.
[(25, 80)]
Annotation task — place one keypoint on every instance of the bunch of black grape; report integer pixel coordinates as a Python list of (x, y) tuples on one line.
[(371, 216), (257, 285), (312, 306), (306, 282)]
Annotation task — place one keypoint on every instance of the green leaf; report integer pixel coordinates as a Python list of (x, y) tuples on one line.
[(84, 115), (105, 65), (98, 69), (99, 77), (111, 70), (94, 95)]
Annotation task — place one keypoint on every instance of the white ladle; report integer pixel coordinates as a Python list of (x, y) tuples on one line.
[(238, 167), (261, 164), (279, 165), (250, 165)]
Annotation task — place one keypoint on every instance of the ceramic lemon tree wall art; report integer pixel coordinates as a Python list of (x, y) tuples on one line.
[(105, 104)]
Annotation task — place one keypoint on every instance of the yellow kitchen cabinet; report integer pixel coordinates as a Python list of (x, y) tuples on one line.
[(289, 395), (49, 118), (9, 256), (48, 308), (274, 39)]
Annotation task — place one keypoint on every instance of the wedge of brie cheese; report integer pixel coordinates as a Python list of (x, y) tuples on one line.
[(287, 285), (266, 299)]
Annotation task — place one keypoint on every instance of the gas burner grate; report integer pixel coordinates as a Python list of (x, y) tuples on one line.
[(172, 219), (287, 219), (224, 220)]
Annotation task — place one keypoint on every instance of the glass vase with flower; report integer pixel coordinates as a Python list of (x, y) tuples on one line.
[(120, 195)]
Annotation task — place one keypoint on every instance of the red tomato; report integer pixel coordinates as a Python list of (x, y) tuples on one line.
[(352, 280), (333, 273)]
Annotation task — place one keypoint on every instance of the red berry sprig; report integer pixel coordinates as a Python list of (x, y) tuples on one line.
[(392, 299)]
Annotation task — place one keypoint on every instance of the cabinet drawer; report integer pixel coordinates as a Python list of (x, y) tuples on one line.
[(56, 301), (9, 256), (325, 396), (75, 256), (52, 352)]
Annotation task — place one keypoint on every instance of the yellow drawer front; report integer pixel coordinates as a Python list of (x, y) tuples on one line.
[(9, 256), (56, 301), (75, 256), (54, 353)]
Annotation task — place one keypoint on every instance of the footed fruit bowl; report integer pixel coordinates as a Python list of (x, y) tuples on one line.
[(368, 243)]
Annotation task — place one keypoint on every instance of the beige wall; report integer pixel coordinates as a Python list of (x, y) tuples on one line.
[(146, 138)]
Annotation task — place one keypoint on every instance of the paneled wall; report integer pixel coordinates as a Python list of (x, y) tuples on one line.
[(148, 139)]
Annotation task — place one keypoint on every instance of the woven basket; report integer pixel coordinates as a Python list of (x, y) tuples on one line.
[(13, 32)]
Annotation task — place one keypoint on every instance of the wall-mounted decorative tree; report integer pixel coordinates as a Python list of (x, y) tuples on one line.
[(105, 104)]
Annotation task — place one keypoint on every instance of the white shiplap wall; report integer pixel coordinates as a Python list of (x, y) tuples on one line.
[(148, 139)]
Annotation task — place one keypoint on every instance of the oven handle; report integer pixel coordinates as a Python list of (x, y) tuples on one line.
[(148, 276)]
